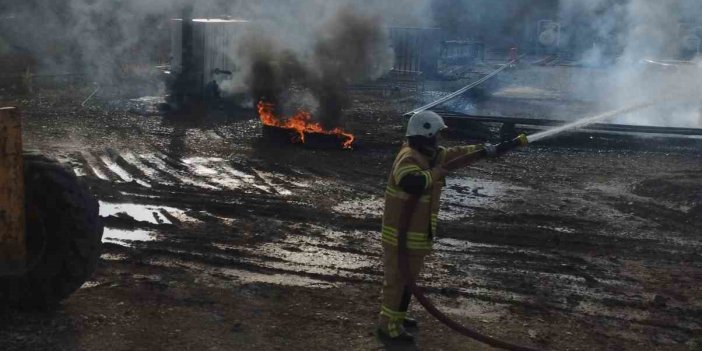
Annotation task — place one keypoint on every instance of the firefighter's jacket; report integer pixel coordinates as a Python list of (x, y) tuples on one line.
[(424, 218)]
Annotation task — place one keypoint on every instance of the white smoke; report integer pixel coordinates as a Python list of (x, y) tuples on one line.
[(636, 40)]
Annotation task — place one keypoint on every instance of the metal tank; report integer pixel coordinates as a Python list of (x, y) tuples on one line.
[(202, 57)]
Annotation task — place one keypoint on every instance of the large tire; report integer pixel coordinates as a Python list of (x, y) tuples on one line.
[(64, 234)]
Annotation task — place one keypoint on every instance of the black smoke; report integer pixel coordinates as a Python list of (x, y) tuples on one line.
[(351, 47)]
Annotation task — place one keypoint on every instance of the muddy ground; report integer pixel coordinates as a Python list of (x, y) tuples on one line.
[(218, 239)]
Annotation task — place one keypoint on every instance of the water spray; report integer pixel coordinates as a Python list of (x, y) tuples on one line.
[(587, 121)]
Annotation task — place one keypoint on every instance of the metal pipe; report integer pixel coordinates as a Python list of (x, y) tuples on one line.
[(461, 91), (545, 122)]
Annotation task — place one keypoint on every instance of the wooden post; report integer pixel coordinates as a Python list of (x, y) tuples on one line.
[(12, 225)]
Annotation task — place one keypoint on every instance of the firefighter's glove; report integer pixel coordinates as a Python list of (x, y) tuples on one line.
[(523, 140), (491, 150)]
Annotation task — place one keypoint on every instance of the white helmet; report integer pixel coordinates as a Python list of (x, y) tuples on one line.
[(426, 124)]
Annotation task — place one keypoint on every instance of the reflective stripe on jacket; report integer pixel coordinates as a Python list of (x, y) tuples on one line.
[(424, 218)]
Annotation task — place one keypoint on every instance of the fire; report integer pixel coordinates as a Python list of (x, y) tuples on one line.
[(301, 122)]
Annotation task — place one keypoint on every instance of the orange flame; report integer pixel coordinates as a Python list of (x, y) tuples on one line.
[(301, 123)]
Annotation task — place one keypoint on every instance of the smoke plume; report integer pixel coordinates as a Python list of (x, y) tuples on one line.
[(631, 40), (305, 52), (349, 47), (612, 37), (100, 39), (302, 52)]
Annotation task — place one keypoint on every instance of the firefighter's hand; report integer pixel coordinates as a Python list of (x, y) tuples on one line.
[(523, 140)]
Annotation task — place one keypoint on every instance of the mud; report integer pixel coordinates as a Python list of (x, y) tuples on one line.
[(217, 239)]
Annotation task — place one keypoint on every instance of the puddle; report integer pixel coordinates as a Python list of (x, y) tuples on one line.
[(113, 256), (79, 172), (146, 105), (143, 196), (91, 161), (126, 237), (459, 197), (150, 99), (303, 254), (362, 208), (210, 168), (321, 237), (158, 162), (268, 178), (461, 246), (144, 213), (564, 230), (462, 194), (91, 284), (247, 178), (248, 277), (116, 169), (314, 256), (148, 171), (218, 171), (212, 173), (198, 165), (479, 310), (121, 172)]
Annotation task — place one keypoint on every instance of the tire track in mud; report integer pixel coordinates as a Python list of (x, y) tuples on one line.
[(250, 225)]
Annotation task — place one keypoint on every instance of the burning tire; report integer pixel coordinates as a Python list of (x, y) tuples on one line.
[(301, 129), (63, 233)]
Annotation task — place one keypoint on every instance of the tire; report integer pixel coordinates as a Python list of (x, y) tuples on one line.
[(64, 234)]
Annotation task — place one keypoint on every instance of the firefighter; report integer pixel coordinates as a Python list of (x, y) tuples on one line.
[(418, 171)]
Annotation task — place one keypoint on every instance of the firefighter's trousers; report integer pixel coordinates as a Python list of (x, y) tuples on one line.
[(396, 296)]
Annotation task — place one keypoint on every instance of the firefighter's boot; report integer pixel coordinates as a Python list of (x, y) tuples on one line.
[(410, 323), (402, 336)]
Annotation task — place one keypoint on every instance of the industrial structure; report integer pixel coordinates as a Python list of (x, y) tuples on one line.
[(202, 51)]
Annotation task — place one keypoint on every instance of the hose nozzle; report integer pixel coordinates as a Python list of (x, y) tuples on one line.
[(507, 145), (522, 139)]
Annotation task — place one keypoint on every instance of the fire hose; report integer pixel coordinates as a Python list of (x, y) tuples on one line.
[(416, 290)]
